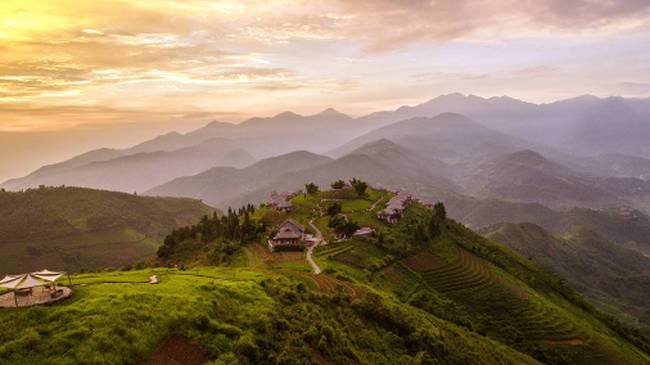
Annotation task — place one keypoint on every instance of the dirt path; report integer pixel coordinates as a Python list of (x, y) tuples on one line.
[(572, 342), (310, 250), (372, 207)]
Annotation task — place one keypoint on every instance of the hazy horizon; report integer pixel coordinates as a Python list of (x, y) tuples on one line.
[(33, 149)]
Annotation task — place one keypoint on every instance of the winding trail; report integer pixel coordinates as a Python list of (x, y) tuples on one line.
[(310, 250), (372, 207)]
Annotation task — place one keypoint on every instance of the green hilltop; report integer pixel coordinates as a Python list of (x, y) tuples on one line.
[(67, 228), (423, 290)]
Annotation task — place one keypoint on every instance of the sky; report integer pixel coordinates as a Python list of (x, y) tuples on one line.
[(135, 68)]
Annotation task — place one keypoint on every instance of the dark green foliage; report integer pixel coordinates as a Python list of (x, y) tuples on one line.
[(359, 186), (439, 211), (334, 209), (338, 184), (342, 226), (217, 237), (311, 188), (437, 220)]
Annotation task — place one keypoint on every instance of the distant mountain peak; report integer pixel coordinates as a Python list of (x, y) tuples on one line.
[(331, 112), (453, 95), (287, 114)]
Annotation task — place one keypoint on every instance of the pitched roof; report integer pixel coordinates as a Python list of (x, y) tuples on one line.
[(290, 229), (396, 203), (296, 224)]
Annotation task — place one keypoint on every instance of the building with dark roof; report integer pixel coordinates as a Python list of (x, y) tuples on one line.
[(289, 234)]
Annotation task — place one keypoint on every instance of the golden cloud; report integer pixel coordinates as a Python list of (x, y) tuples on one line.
[(97, 51)]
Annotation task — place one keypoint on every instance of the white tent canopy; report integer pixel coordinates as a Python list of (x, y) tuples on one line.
[(48, 278), (46, 272), (48, 275), (32, 280), (10, 278), (29, 282)]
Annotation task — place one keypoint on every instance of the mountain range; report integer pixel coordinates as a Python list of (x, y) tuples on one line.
[(574, 131)]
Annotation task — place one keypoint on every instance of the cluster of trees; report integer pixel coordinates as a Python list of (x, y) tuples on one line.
[(359, 186), (334, 209), (415, 229), (226, 233), (343, 226), (311, 188), (437, 219)]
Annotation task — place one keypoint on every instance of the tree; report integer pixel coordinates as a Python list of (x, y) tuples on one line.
[(334, 209), (359, 186), (440, 211), (311, 188), (338, 184), (437, 220), (434, 226), (381, 240), (343, 227)]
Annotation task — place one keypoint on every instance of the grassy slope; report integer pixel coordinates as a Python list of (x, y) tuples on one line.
[(457, 299), (234, 314), (74, 228)]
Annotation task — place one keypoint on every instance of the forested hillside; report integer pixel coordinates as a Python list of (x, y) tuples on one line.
[(73, 228)]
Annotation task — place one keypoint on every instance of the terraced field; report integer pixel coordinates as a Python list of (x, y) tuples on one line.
[(465, 273), (541, 323), (332, 250), (471, 282)]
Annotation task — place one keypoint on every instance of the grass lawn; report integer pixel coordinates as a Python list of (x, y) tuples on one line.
[(119, 323)]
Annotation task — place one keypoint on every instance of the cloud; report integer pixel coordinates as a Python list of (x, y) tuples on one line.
[(144, 54), (386, 25)]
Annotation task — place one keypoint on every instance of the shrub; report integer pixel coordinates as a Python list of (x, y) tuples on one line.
[(338, 184)]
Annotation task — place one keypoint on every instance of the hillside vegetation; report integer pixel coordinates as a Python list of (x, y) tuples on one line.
[(238, 316), (73, 228), (615, 277), (425, 290), (471, 289)]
